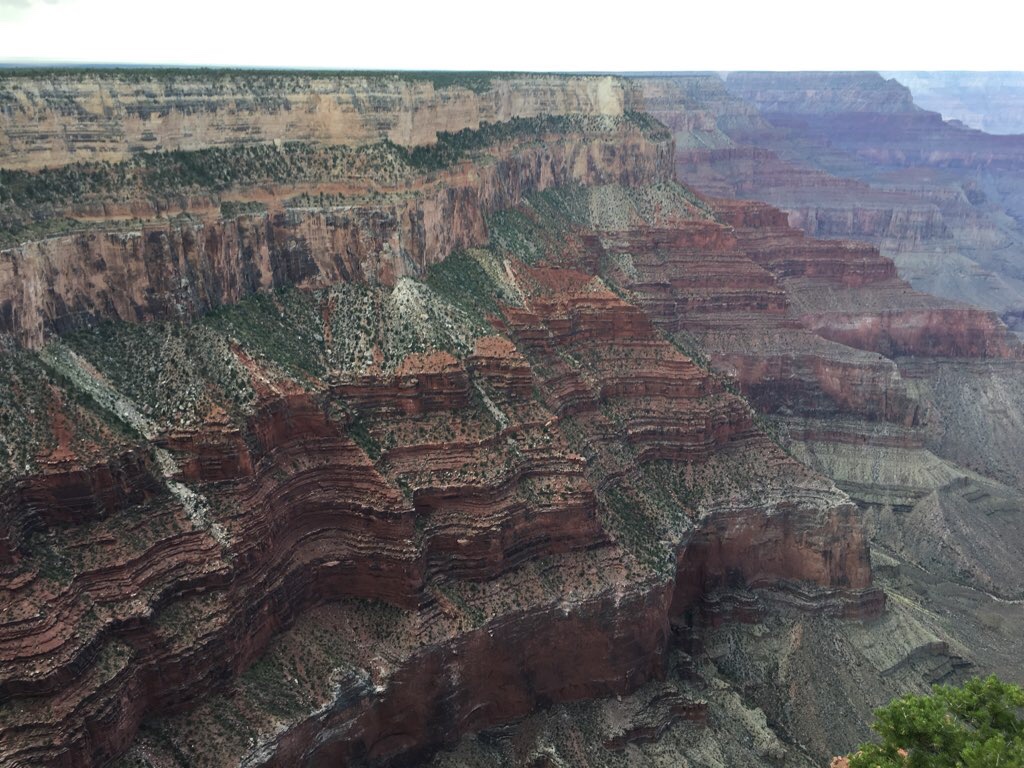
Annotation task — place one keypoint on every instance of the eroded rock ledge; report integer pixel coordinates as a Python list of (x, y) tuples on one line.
[(370, 477)]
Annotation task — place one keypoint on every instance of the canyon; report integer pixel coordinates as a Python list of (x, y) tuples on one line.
[(393, 419), (988, 101), (850, 155)]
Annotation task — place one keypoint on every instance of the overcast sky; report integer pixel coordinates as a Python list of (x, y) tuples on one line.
[(534, 35)]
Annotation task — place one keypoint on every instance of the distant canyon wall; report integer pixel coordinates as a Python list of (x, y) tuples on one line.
[(49, 120)]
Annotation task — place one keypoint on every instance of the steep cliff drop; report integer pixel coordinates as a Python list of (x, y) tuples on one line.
[(348, 451)]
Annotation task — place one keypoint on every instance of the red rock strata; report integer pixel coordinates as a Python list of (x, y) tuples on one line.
[(491, 676), (445, 544), (171, 270), (460, 476), (925, 332), (769, 303)]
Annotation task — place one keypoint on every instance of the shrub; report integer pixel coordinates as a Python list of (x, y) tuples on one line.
[(978, 725)]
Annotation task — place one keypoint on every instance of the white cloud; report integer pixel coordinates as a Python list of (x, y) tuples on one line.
[(515, 35), (21, 4)]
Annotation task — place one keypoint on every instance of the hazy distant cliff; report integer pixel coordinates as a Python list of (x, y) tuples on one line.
[(822, 92), (991, 101)]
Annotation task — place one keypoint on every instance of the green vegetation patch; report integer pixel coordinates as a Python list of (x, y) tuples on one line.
[(540, 226), (649, 125), (451, 147), (674, 487), (375, 325), (978, 725), (269, 683), (176, 374), (463, 280), (24, 402), (512, 233), (229, 209), (36, 203), (359, 431), (628, 520), (283, 327), (32, 396), (180, 371)]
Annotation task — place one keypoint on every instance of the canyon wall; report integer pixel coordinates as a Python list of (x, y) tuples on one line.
[(849, 155), (183, 268), (52, 118), (412, 456), (436, 490)]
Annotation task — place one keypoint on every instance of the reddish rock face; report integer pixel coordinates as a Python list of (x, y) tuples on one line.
[(450, 542), (784, 314), (493, 676), (744, 549), (953, 332), (353, 490), (66, 283), (76, 495)]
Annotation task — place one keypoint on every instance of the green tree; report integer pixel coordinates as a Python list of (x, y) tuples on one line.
[(978, 725)]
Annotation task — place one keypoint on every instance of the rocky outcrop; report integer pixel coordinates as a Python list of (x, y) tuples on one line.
[(303, 518), (925, 333), (446, 692), (49, 120), (483, 450), (435, 488), (820, 93), (731, 285), (180, 270)]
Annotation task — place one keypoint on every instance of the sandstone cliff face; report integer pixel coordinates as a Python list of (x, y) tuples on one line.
[(479, 452), (545, 466), (54, 119), (181, 270)]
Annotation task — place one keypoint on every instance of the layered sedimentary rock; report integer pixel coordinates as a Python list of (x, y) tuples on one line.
[(848, 155), (381, 501), (818, 160), (772, 289), (500, 475), (54, 118), (940, 201), (767, 302), (458, 446), (180, 269)]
